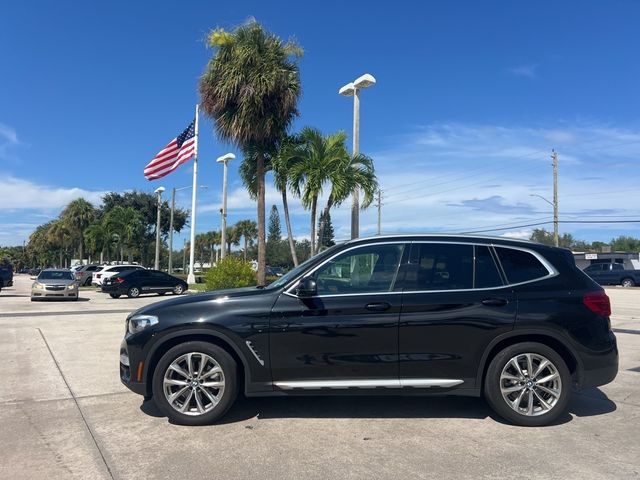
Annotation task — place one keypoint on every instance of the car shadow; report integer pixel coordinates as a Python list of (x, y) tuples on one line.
[(588, 403)]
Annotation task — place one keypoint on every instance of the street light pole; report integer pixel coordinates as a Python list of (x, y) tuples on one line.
[(353, 89), (223, 234), (158, 191), (554, 204), (554, 157)]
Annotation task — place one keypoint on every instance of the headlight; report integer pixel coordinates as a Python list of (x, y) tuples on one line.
[(137, 323), (71, 287), (39, 286)]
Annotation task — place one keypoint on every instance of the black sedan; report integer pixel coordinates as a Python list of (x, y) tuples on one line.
[(134, 283)]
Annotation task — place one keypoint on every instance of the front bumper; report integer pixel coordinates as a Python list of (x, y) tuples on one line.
[(132, 370), (54, 293)]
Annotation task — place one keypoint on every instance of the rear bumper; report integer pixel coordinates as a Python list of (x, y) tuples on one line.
[(113, 288), (600, 368)]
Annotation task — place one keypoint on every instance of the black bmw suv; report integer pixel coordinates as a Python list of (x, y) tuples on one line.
[(514, 321)]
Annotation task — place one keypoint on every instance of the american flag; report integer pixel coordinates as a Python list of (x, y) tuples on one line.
[(177, 152)]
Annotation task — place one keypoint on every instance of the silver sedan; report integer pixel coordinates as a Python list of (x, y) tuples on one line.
[(55, 284)]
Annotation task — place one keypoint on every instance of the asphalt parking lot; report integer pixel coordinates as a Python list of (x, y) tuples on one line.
[(64, 414)]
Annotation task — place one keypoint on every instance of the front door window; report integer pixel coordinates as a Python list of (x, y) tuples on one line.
[(369, 269)]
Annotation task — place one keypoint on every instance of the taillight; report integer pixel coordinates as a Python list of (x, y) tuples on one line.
[(598, 303), (118, 280)]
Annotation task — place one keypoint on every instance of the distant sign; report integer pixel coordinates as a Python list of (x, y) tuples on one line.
[(590, 256)]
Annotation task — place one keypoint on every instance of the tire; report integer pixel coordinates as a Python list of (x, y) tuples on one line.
[(531, 409), (114, 295), (178, 289), (211, 407), (627, 283), (161, 293), (134, 292)]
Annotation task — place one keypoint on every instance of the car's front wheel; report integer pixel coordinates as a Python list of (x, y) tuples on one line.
[(178, 290), (195, 383), (528, 384)]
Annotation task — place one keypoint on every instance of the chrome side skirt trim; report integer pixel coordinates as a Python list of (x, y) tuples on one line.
[(341, 384)]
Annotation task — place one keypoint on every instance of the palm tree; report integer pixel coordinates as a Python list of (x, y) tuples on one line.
[(58, 235), (77, 216), (96, 238), (248, 230), (250, 89), (319, 161), (125, 226), (351, 173), (231, 238)]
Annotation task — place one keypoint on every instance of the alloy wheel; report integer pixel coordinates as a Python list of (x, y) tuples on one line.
[(530, 384), (178, 290), (193, 384)]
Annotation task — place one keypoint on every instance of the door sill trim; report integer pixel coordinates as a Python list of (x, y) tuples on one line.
[(342, 384)]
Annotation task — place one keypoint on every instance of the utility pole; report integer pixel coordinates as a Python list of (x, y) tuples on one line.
[(379, 205), (554, 157), (158, 192)]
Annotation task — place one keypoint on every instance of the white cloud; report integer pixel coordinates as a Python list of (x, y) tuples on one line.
[(8, 134), (518, 234), (20, 194), (528, 71)]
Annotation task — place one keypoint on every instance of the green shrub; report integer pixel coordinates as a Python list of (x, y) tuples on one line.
[(231, 272)]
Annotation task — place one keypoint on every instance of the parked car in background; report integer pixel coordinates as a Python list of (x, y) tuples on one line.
[(6, 275), (134, 283), (516, 322), (84, 273), (613, 274), (109, 270), (55, 284), (275, 271)]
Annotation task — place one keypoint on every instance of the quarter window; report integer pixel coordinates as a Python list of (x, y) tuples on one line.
[(370, 269), (520, 266)]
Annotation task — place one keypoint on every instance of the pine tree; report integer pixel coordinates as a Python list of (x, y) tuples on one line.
[(275, 232), (328, 234)]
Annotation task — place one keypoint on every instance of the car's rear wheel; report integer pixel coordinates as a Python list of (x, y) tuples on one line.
[(114, 295), (133, 292), (178, 290), (195, 383), (628, 282), (528, 384)]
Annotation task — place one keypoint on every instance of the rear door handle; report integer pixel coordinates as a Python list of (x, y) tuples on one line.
[(378, 306), (495, 302)]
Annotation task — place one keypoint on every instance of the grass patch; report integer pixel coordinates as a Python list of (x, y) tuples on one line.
[(198, 287)]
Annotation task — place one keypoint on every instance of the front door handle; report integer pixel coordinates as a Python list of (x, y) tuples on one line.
[(378, 306), (495, 302)]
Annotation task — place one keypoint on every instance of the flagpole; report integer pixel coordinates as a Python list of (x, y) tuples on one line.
[(191, 278)]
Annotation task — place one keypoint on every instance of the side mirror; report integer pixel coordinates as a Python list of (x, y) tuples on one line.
[(32, 278), (307, 287)]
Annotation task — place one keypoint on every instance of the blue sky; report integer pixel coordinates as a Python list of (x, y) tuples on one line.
[(470, 99)]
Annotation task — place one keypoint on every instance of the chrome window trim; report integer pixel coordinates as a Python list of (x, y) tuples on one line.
[(552, 271), (381, 383)]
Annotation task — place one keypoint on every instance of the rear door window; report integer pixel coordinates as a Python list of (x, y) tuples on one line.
[(486, 271), (440, 266), (520, 266)]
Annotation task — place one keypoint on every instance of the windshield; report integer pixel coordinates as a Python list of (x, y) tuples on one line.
[(56, 275), (287, 277)]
